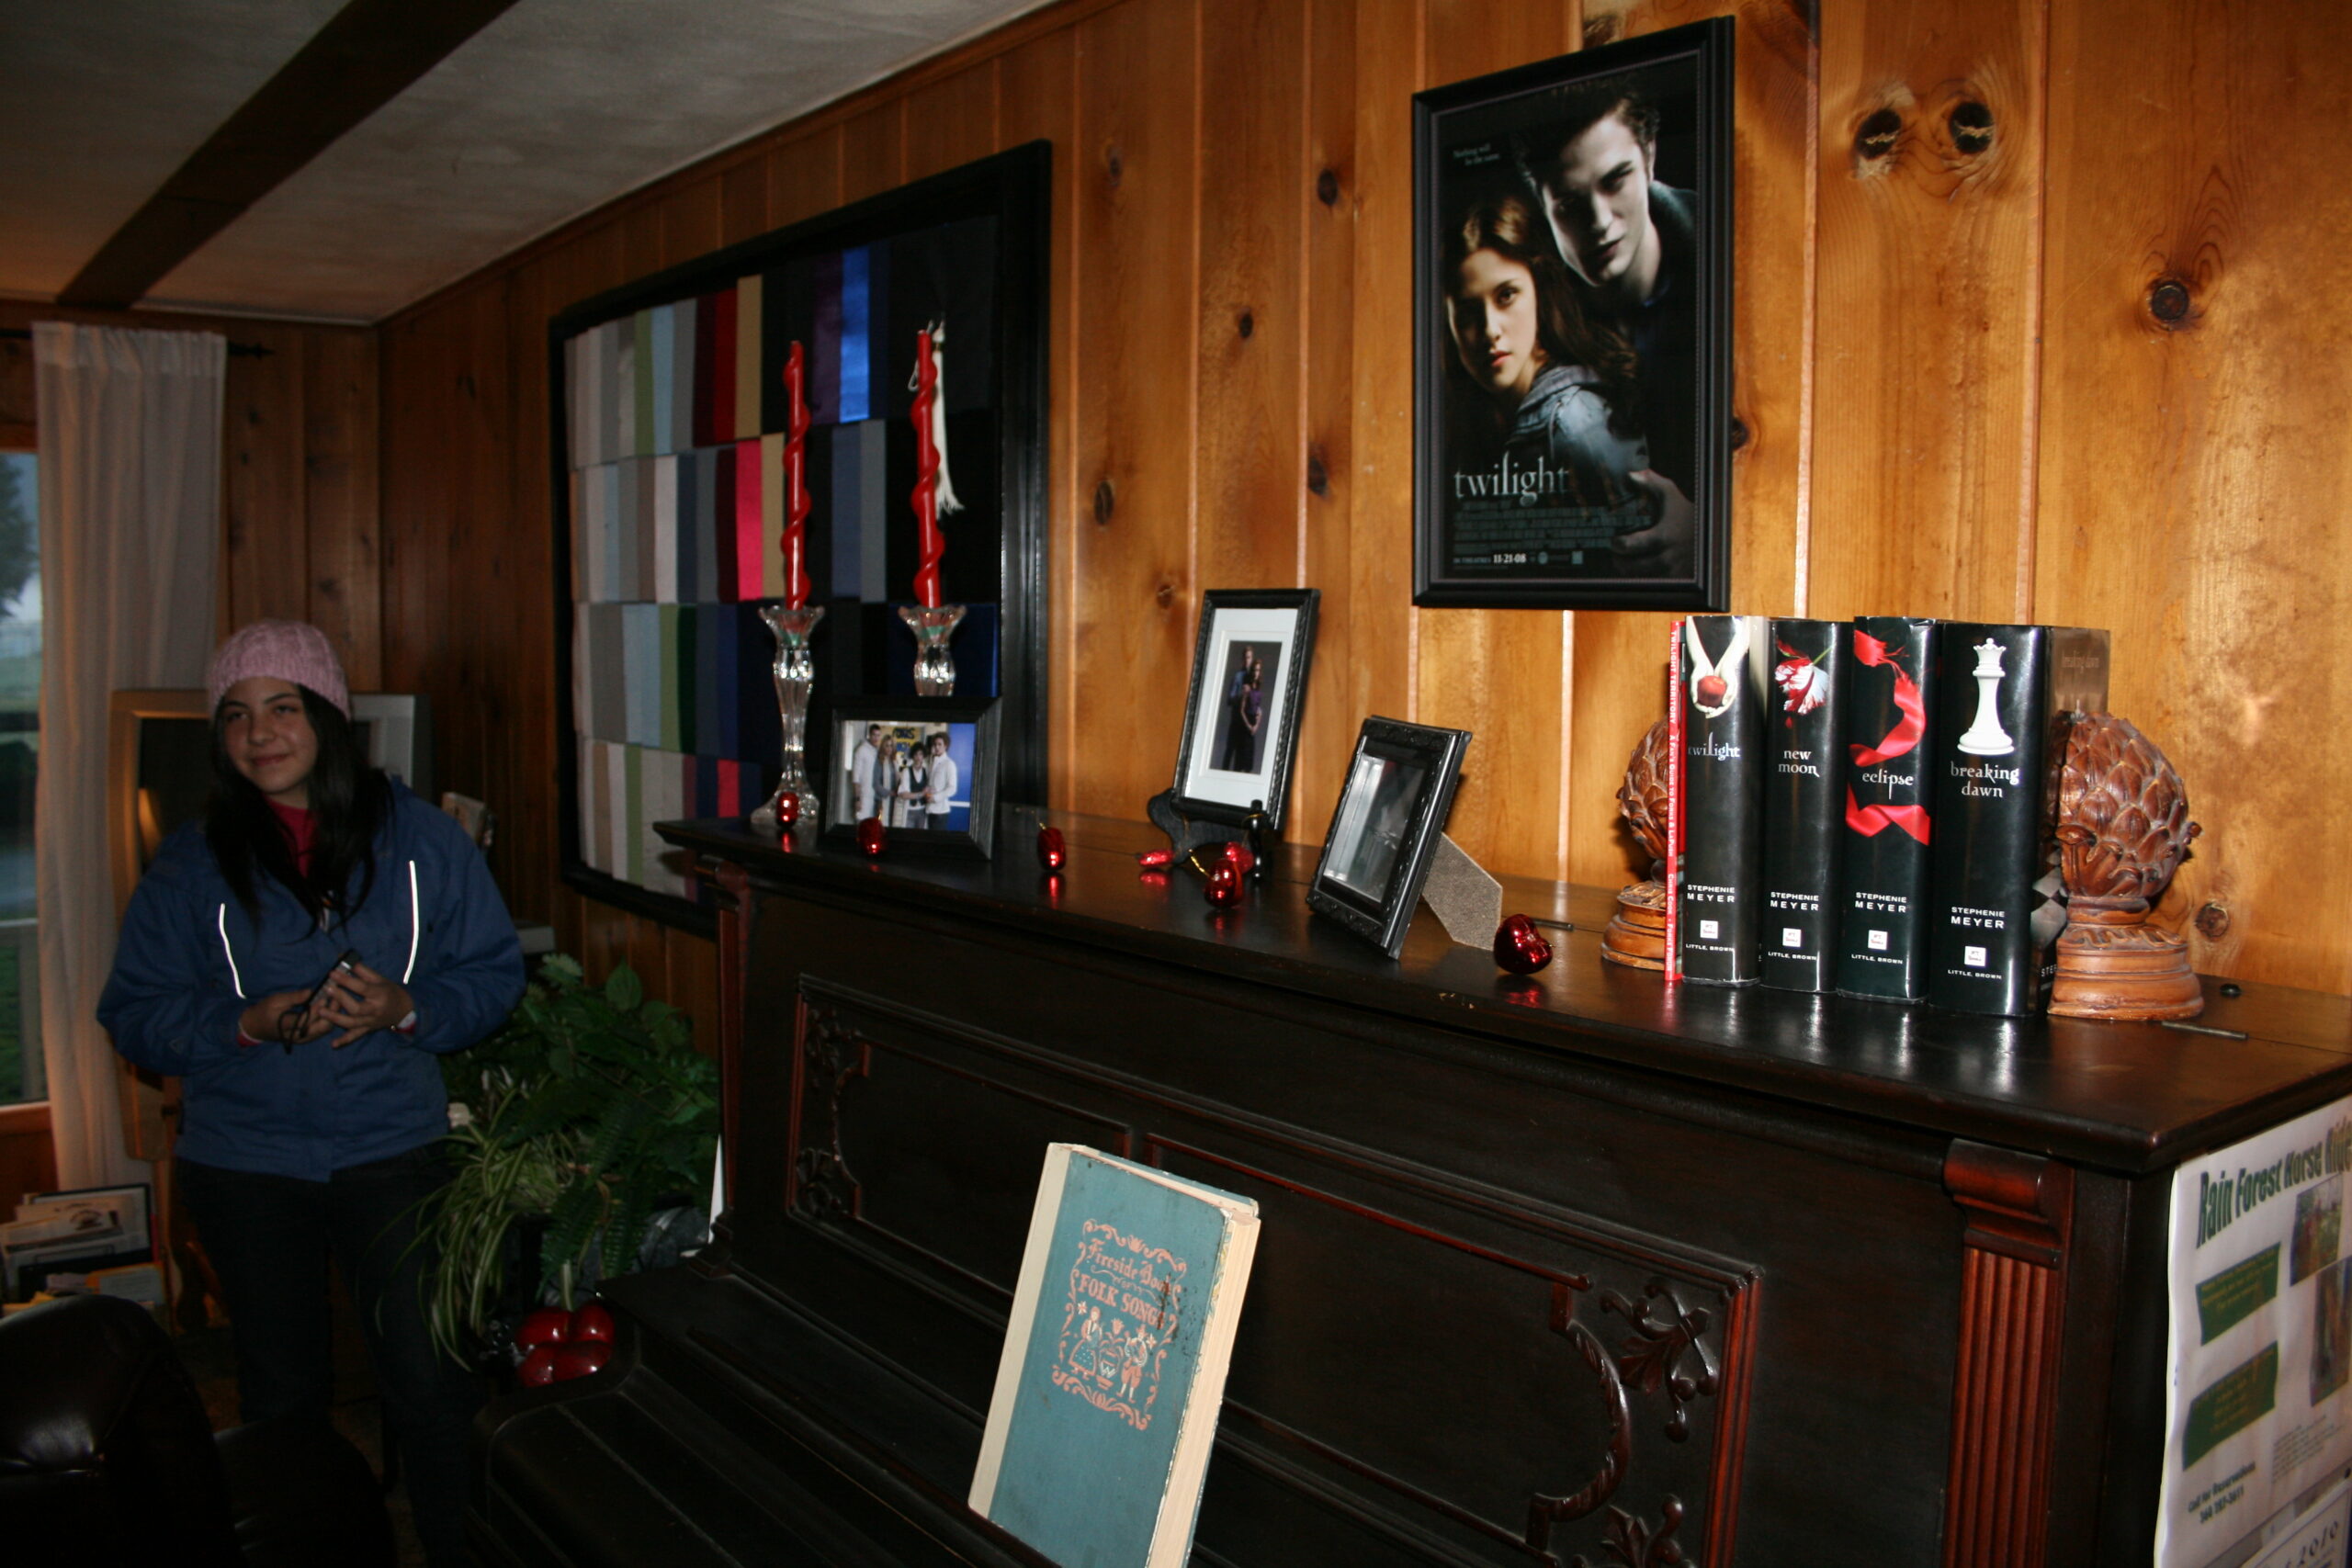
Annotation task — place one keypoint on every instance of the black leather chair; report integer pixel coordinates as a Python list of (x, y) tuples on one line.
[(105, 1455)]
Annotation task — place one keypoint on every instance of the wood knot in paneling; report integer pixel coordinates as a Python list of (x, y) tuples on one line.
[(1877, 139), (1164, 593), (1327, 187), (1970, 124), (1115, 165), (1246, 324), (1739, 434), (2213, 921), (2170, 304), (1319, 476), (1106, 498)]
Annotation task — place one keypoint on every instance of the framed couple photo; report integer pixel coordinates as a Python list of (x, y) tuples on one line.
[(926, 766), (1249, 666), (1572, 330)]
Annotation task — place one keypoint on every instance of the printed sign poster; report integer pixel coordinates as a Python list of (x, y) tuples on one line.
[(2258, 1412)]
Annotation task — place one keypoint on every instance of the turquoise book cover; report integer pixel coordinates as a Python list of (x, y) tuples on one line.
[(1115, 1360)]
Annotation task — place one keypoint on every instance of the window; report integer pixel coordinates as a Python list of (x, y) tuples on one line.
[(22, 1076)]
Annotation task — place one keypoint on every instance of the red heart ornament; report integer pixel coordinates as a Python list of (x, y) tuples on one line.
[(787, 808), (1520, 947), (579, 1360), (547, 1325), (1052, 852), (1237, 855), (1156, 860), (1224, 887), (537, 1370), (872, 836), (592, 1322)]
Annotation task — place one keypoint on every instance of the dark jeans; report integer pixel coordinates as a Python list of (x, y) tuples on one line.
[(269, 1237)]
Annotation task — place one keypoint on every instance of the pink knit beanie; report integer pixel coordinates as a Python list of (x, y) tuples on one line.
[(285, 651)]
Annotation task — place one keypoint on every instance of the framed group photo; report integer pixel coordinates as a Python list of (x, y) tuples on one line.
[(1572, 330), (1250, 667), (1384, 830), (926, 766)]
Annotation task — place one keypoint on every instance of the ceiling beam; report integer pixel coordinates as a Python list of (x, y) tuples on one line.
[(366, 55)]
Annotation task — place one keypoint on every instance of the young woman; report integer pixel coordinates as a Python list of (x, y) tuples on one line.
[(312, 1088), (1529, 378)]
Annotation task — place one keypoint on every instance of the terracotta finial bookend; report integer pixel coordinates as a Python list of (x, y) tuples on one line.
[(2122, 828), (1636, 934)]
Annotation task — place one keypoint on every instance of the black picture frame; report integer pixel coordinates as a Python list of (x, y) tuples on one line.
[(972, 726), (1521, 466), (1235, 622), (998, 545), (1384, 828)]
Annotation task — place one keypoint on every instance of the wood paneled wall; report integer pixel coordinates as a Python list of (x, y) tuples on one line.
[(1964, 392)]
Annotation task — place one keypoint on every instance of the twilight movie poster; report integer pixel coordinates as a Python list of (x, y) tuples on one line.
[(1572, 329)]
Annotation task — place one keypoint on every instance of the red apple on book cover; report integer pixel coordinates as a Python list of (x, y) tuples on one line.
[(1712, 690), (1520, 947)]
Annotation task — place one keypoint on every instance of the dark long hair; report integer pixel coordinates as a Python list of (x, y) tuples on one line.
[(349, 800), (1508, 224)]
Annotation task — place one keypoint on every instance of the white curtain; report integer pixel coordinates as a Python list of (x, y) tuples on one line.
[(129, 539)]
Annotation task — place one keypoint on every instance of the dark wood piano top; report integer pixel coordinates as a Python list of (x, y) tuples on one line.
[(2126, 1097)]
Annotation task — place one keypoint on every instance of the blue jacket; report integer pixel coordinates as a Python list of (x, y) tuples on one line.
[(189, 961)]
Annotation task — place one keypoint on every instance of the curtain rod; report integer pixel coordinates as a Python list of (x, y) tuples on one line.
[(241, 350)]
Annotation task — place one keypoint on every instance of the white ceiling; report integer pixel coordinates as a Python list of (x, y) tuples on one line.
[(551, 110)]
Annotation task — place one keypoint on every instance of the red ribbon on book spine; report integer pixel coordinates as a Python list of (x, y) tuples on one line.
[(1869, 821), (1908, 729)]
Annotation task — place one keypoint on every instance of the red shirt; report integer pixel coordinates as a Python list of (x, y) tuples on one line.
[(301, 834)]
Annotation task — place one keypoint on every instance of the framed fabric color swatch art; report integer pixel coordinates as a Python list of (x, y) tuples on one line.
[(671, 416)]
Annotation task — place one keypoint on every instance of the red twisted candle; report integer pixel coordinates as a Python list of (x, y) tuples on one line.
[(930, 545), (796, 488)]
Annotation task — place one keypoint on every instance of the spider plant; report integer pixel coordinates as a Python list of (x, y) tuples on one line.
[(588, 1106)]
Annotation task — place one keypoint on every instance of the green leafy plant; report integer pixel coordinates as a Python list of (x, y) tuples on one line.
[(587, 1108)]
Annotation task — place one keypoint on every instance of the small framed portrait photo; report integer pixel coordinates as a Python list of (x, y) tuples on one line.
[(926, 766), (1250, 667), (1385, 830), (1572, 425)]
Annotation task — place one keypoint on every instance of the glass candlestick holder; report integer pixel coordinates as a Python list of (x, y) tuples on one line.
[(796, 672), (934, 666)]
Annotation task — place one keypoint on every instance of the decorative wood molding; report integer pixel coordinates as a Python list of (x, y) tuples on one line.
[(2013, 1272)]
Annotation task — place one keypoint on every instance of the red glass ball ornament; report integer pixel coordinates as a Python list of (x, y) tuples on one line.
[(1156, 860), (1520, 947), (579, 1360), (592, 1322), (1052, 852), (1237, 855), (547, 1325), (537, 1370), (1223, 888), (872, 836), (787, 808)]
